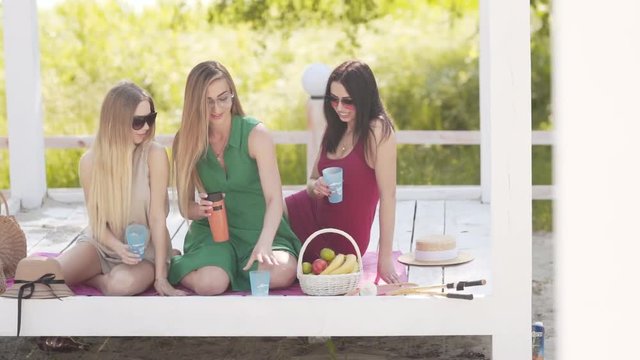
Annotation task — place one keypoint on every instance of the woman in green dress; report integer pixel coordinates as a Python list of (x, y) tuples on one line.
[(219, 149)]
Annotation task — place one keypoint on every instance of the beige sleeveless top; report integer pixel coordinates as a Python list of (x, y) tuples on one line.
[(139, 210)]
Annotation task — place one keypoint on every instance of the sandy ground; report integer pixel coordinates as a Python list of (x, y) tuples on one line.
[(434, 347)]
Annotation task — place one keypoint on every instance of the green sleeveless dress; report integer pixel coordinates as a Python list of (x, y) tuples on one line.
[(246, 207)]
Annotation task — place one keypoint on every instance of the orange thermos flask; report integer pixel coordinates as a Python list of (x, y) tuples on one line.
[(218, 218)]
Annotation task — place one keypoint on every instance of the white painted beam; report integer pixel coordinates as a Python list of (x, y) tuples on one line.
[(247, 316), (596, 48), (24, 103), (316, 123), (485, 101), (506, 102), (413, 137)]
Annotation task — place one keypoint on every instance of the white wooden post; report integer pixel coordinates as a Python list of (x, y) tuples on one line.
[(314, 81), (485, 92), (507, 82), (24, 105), (316, 124), (596, 77)]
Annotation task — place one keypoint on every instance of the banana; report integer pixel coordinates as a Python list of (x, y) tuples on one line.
[(356, 267), (347, 267), (334, 264)]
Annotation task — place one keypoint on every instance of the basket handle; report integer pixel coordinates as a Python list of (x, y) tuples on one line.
[(6, 206), (325, 231)]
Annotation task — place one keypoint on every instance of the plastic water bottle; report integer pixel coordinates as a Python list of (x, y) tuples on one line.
[(537, 335)]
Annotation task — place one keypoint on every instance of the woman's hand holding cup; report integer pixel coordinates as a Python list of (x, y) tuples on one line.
[(125, 253), (320, 189)]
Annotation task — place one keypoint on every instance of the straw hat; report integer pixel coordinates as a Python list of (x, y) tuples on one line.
[(436, 250), (40, 277)]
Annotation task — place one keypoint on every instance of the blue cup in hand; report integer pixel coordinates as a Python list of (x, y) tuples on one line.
[(136, 236), (333, 178)]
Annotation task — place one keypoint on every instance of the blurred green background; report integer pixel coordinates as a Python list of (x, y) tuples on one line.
[(424, 55)]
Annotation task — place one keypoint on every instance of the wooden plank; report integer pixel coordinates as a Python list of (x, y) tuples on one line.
[(404, 192), (53, 227), (542, 137), (177, 238), (429, 218), (229, 316), (414, 137), (438, 137), (177, 226), (505, 84), (27, 173), (429, 221), (402, 230), (469, 222)]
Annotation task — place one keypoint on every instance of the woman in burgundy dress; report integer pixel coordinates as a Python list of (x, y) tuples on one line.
[(360, 139)]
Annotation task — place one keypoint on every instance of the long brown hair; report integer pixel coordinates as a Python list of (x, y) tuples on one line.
[(109, 196), (195, 128), (359, 81)]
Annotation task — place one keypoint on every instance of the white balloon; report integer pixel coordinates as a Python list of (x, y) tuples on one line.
[(314, 79)]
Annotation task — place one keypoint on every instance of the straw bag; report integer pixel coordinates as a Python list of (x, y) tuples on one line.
[(328, 284), (3, 281), (13, 243)]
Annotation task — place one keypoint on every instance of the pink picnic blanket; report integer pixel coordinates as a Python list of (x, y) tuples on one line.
[(369, 265)]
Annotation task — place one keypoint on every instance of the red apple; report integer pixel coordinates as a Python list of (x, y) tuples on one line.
[(319, 265)]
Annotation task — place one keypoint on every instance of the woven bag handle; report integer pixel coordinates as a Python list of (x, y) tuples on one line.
[(325, 231), (6, 206)]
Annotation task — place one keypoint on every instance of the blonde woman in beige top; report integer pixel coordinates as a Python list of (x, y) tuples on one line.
[(124, 176)]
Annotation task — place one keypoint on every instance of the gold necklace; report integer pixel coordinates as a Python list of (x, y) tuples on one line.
[(344, 147), (219, 155)]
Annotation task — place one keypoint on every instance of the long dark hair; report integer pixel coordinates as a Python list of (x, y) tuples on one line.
[(359, 81)]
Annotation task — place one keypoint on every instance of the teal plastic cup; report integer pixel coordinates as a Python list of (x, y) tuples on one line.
[(333, 178), (137, 236), (259, 282)]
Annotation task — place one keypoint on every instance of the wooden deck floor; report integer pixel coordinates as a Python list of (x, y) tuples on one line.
[(54, 227)]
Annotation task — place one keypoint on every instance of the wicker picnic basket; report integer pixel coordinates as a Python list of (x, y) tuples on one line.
[(13, 243), (328, 285)]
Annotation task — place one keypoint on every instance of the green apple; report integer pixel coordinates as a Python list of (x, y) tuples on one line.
[(327, 254), (306, 267)]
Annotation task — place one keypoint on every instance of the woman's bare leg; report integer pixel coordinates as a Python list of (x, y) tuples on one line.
[(208, 280), (284, 274), (125, 279), (80, 263)]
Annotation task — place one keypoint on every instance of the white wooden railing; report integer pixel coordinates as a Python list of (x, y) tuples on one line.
[(412, 137)]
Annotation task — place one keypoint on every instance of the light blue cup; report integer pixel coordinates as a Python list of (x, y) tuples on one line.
[(136, 236), (333, 178), (259, 282)]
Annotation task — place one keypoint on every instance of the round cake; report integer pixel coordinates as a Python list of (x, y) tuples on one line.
[(436, 248)]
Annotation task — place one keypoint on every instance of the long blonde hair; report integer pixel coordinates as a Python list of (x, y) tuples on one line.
[(109, 196), (195, 128)]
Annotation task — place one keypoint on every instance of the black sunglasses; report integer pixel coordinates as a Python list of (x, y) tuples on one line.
[(334, 100), (138, 121)]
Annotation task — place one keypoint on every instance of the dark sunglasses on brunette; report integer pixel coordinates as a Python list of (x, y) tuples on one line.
[(138, 121), (346, 102)]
